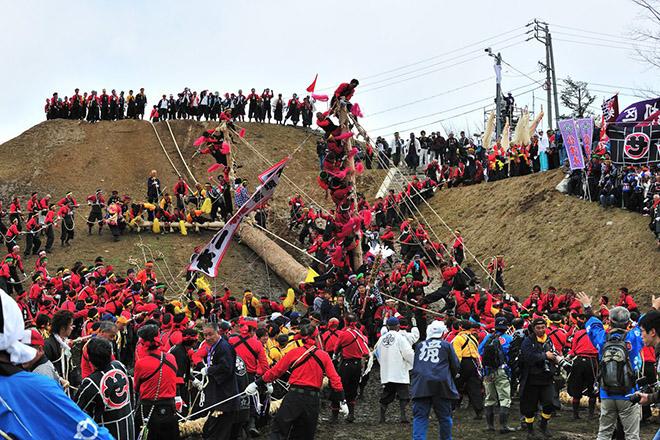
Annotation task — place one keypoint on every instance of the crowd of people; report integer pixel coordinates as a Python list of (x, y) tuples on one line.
[(260, 107), (390, 297), (635, 188)]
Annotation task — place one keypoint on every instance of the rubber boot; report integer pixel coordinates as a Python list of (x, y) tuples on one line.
[(383, 409), (478, 415), (351, 413), (402, 407), (252, 428), (543, 426), (576, 409), (490, 418), (592, 407), (504, 421), (530, 431)]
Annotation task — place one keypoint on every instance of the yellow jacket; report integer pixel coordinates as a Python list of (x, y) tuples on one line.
[(466, 345), (289, 301)]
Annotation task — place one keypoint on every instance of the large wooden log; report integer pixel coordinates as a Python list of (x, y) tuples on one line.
[(279, 260)]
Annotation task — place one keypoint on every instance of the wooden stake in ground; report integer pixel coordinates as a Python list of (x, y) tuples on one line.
[(350, 163)]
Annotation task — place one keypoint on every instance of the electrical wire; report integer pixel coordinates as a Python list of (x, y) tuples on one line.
[(445, 111), (446, 92), (609, 46), (445, 61), (439, 121), (435, 70), (634, 42), (415, 63)]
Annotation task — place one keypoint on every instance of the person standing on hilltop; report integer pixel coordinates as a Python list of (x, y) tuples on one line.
[(140, 104)]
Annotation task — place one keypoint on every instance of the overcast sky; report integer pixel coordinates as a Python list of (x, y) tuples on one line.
[(164, 46)]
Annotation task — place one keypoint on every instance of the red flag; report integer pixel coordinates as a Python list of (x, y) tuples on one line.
[(312, 86)]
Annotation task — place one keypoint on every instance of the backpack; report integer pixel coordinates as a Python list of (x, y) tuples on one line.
[(493, 356), (514, 350), (616, 372)]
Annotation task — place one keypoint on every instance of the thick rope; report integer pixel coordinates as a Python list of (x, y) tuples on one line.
[(178, 150)]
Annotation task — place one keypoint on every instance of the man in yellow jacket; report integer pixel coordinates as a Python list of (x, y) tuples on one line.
[(466, 346)]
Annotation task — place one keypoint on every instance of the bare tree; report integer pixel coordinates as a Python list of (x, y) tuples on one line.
[(649, 34), (576, 96)]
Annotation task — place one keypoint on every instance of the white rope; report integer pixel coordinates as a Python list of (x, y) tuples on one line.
[(179, 151), (284, 176), (164, 150), (488, 274), (287, 242), (186, 418)]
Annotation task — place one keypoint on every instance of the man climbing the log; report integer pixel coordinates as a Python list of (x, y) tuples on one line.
[(344, 93)]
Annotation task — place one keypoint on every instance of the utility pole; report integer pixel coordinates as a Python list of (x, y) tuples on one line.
[(554, 74), (541, 32), (498, 90)]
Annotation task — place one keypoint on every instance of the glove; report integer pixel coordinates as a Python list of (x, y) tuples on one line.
[(198, 384), (413, 321), (252, 389), (343, 408), (204, 371), (269, 388)]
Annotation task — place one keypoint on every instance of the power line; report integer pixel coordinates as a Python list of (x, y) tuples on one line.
[(634, 42), (455, 116), (587, 31), (442, 54), (445, 111), (435, 70), (446, 92), (609, 46), (445, 61)]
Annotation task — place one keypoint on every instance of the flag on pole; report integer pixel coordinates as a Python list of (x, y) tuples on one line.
[(312, 86), (610, 108), (654, 119), (585, 129), (571, 143), (639, 111), (208, 259)]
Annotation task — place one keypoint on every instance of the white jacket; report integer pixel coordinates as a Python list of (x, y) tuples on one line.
[(395, 356)]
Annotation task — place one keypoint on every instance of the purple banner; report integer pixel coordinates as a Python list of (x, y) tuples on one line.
[(571, 143), (585, 129), (639, 111)]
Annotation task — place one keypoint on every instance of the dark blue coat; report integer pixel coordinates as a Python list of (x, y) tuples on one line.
[(434, 370), (222, 377)]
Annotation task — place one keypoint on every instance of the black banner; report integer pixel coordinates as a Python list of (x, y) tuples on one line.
[(634, 145)]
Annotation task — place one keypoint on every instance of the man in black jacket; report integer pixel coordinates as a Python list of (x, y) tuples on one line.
[(221, 372), (538, 365), (106, 394)]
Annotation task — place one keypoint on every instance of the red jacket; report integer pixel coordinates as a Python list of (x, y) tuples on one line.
[(308, 372), (351, 343), (146, 382), (582, 345), (252, 352)]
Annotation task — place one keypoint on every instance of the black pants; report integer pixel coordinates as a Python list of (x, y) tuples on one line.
[(534, 395), (163, 421), (32, 243), (220, 427), (67, 229), (470, 383), (350, 371), (50, 238), (583, 375), (298, 416), (394, 390)]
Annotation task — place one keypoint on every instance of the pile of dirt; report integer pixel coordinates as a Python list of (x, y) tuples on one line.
[(549, 238), (60, 155)]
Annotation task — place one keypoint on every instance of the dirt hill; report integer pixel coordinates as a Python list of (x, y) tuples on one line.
[(549, 238), (546, 237), (60, 155)]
